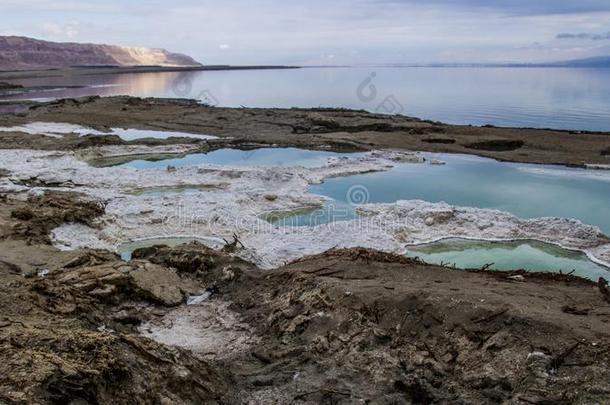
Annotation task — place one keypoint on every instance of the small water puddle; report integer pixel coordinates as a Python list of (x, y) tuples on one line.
[(518, 255), (190, 189), (127, 249), (263, 157), (311, 216), (130, 134), (123, 160)]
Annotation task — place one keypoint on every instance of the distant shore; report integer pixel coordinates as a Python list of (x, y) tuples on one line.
[(105, 70), (340, 129)]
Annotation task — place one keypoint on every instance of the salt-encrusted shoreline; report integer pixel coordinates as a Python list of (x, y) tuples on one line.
[(247, 194)]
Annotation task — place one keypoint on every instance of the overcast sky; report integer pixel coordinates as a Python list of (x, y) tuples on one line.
[(329, 31)]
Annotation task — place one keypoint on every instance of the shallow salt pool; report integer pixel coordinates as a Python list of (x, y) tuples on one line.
[(265, 157), (517, 255), (528, 191), (130, 134), (186, 189), (525, 190)]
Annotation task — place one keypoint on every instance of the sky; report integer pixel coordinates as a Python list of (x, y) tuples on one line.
[(337, 32)]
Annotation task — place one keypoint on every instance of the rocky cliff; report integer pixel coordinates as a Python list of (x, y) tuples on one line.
[(18, 53)]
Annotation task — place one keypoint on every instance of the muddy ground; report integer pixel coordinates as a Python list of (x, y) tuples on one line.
[(342, 327), (346, 326), (312, 128)]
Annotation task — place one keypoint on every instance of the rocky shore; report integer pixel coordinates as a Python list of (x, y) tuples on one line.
[(277, 316)]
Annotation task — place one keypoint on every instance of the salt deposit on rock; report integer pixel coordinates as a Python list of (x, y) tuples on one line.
[(208, 328), (52, 129), (112, 151)]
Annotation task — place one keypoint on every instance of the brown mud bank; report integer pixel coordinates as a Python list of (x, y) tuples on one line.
[(308, 128), (342, 327)]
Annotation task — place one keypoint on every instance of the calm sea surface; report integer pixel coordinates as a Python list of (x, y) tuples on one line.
[(531, 97)]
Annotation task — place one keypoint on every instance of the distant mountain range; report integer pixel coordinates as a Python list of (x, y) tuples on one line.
[(22, 53), (595, 62), (599, 61)]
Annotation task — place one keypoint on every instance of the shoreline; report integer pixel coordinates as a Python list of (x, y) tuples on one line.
[(338, 129), (91, 71), (385, 225)]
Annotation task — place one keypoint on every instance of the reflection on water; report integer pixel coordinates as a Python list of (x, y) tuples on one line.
[(264, 157), (125, 159), (330, 212), (130, 134), (536, 97), (140, 85), (518, 255)]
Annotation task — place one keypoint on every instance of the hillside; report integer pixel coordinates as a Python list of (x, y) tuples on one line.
[(599, 61), (21, 53)]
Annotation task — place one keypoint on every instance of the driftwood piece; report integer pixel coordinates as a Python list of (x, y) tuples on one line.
[(232, 246), (490, 317)]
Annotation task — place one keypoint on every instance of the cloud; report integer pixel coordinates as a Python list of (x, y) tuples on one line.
[(569, 35), (583, 35), (353, 31), (62, 6), (60, 31), (518, 7)]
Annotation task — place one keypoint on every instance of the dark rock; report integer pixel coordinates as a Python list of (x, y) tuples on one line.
[(446, 141), (496, 145)]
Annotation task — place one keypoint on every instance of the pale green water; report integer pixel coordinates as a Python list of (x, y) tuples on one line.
[(518, 255), (266, 157), (126, 249), (331, 212), (528, 191)]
